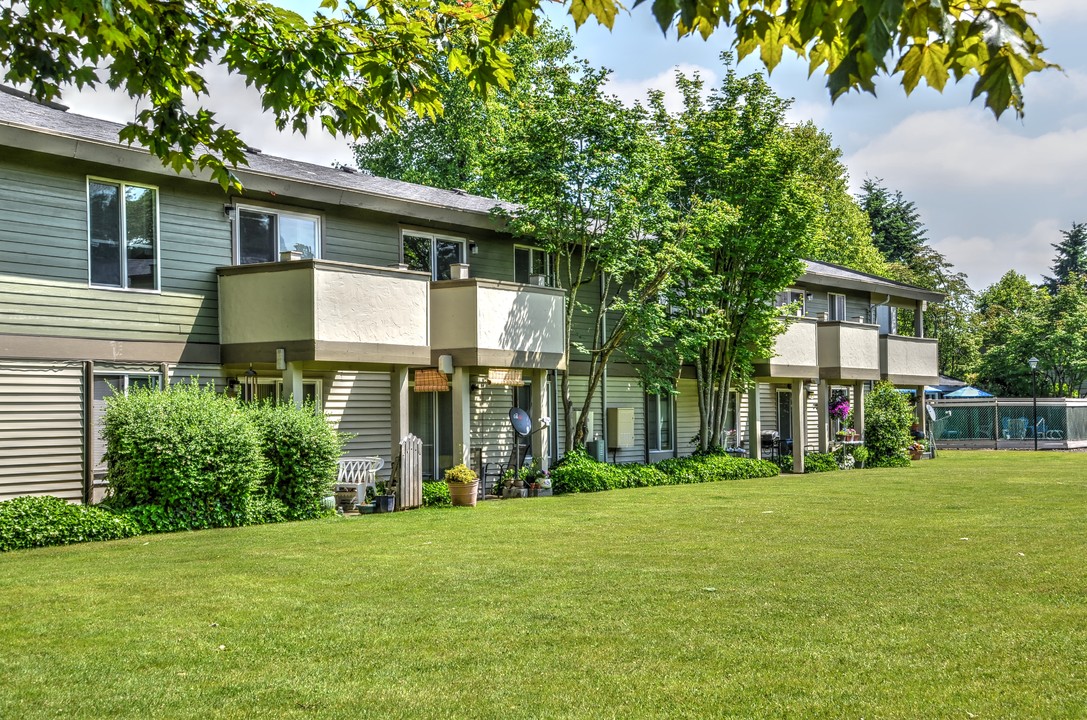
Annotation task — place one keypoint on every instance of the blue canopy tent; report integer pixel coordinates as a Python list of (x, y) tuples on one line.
[(968, 392)]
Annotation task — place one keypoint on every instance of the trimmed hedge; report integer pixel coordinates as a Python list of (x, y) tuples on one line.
[(579, 473), (30, 522), (816, 462), (436, 494), (303, 451), (181, 457)]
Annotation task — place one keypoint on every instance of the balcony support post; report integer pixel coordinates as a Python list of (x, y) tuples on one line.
[(754, 423), (541, 437), (462, 415), (292, 383), (858, 407), (824, 416), (800, 422), (399, 407), (920, 410), (919, 319)]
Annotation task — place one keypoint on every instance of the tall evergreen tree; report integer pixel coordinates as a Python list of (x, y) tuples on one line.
[(897, 229), (1071, 258)]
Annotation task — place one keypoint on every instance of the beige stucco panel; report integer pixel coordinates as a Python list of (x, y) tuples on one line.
[(453, 316), (266, 307), (849, 346), (358, 307), (798, 345), (906, 356), (520, 320)]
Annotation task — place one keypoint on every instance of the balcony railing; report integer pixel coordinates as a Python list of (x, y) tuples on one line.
[(318, 310), (848, 351), (494, 323), (908, 360), (796, 352)]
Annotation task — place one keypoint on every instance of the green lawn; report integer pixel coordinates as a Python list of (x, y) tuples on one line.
[(953, 589)]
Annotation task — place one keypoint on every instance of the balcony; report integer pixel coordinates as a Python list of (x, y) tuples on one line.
[(324, 311), (492, 323), (796, 353), (908, 360), (848, 351)]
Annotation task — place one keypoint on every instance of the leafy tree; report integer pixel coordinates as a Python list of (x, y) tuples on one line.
[(842, 233), (1071, 257), (854, 40), (1007, 314), (356, 67), (751, 211), (449, 151), (590, 183), (1061, 338)]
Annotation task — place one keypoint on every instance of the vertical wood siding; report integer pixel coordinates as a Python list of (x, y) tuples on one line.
[(41, 429)]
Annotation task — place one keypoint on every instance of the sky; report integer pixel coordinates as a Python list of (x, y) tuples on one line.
[(994, 195)]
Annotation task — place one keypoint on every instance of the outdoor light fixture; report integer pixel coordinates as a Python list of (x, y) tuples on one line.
[(228, 210), (281, 358), (473, 248), (1033, 362)]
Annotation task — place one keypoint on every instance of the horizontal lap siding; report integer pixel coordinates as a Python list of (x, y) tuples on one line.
[(358, 403), (628, 393), (686, 416), (43, 238), (578, 387), (41, 429), (491, 428), (356, 239), (202, 374)]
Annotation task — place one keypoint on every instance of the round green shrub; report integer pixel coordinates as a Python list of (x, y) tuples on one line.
[(887, 420), (181, 457), (302, 450), (820, 462), (29, 522), (436, 494)]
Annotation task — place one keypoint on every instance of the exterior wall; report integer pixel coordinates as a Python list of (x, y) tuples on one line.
[(578, 387), (627, 392), (795, 352), (44, 284), (42, 429), (358, 403), (686, 416), (848, 351), (491, 429)]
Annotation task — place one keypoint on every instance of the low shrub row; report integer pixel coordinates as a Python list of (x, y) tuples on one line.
[(31, 522), (579, 473), (436, 494)]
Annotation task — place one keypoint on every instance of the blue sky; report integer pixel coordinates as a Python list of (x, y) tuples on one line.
[(993, 194)]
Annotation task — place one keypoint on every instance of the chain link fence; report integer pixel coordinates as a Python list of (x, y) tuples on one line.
[(998, 420)]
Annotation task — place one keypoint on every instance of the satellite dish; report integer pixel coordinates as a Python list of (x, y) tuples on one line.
[(931, 412), (521, 422)]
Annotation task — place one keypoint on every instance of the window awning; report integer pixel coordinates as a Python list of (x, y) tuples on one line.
[(431, 380), (510, 377)]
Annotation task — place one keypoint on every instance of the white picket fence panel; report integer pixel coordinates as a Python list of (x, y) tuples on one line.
[(408, 473)]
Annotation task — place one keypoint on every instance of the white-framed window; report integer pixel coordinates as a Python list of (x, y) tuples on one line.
[(836, 305), (122, 235), (261, 234), (107, 384), (528, 261), (272, 389), (790, 296), (659, 416), (429, 252)]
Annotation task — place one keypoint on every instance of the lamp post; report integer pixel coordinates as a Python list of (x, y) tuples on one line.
[(1033, 362)]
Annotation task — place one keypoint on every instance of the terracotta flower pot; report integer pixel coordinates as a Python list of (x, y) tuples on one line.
[(463, 494)]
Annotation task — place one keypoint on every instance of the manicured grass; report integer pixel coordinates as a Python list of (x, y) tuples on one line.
[(952, 589)]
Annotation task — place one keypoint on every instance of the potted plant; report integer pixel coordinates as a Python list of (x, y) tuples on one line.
[(463, 485), (385, 497), (915, 450)]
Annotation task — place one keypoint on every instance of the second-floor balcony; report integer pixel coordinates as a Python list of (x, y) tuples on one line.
[(483, 322), (848, 351), (908, 360), (324, 311), (796, 351)]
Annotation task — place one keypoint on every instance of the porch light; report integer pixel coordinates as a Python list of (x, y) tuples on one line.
[(281, 358), (250, 388)]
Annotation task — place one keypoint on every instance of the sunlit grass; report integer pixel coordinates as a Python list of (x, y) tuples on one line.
[(954, 588)]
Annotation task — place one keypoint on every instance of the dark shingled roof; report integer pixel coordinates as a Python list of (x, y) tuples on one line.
[(831, 274), (17, 109)]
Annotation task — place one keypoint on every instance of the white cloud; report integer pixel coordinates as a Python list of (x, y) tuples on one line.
[(632, 91), (987, 258)]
